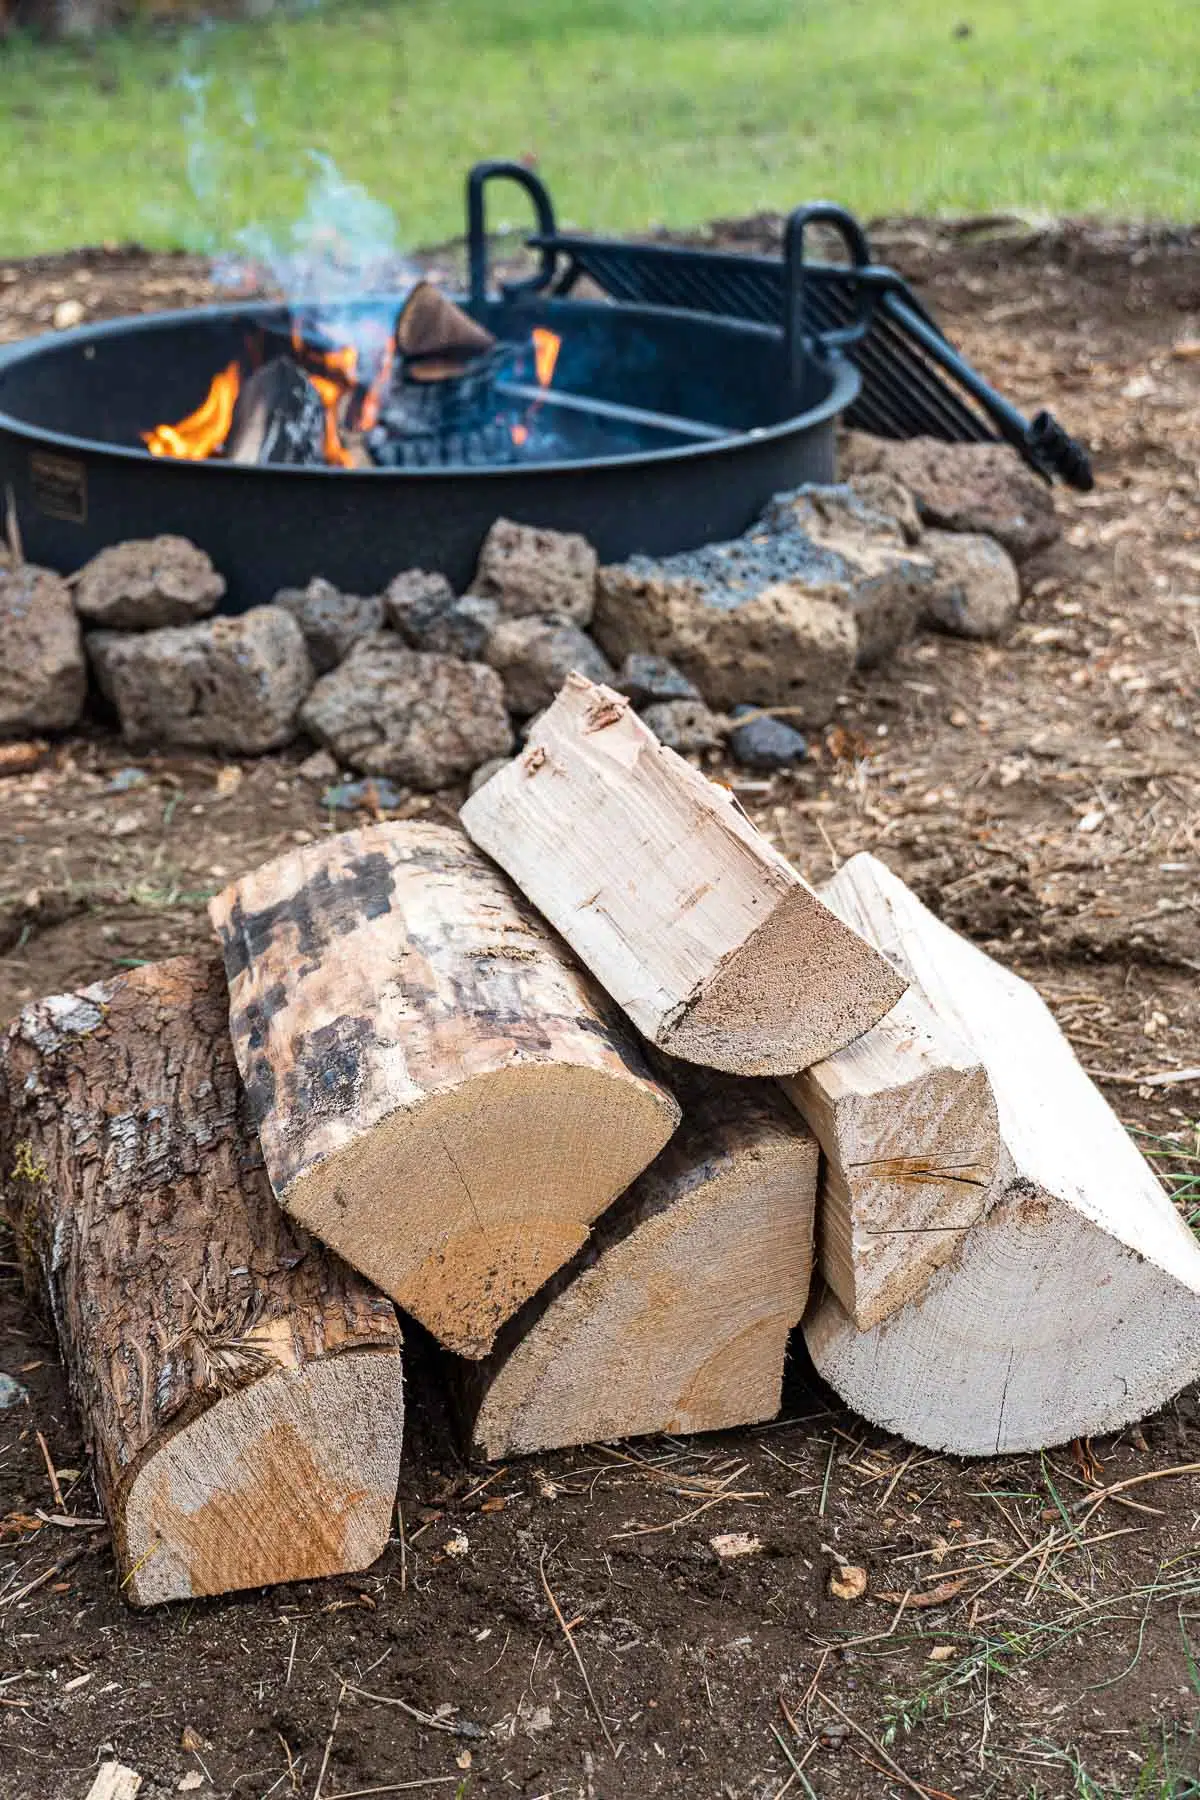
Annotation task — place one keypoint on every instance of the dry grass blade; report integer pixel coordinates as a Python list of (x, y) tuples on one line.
[(397, 1787), (461, 1728), (923, 1793), (684, 1518), (337, 1711), (574, 1649), (1092, 1502)]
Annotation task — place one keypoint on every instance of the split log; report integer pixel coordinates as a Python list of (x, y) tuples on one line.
[(240, 1389), (1072, 1305), (675, 1316), (907, 1122), (711, 942), (431, 326), (441, 1094), (277, 418)]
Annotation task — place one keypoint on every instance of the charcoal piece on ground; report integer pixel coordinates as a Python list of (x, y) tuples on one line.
[(686, 726), (414, 600), (881, 580), (764, 743), (526, 570), (534, 656), (976, 591), (332, 622), (278, 417), (416, 717), (963, 487), (232, 684), (147, 583), (43, 676), (646, 679), (760, 619)]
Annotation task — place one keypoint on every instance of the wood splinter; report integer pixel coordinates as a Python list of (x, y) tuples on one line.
[(240, 1388), (697, 927)]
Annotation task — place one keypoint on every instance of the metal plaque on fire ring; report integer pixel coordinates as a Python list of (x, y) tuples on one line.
[(59, 486)]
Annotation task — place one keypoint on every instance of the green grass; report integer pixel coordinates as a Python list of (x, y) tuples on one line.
[(638, 111)]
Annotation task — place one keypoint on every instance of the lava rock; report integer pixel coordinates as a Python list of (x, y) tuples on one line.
[(683, 725), (534, 656), (463, 631), (976, 590), (233, 684), (416, 717), (765, 743), (885, 494), (320, 766), (527, 570), (414, 601), (963, 487), (332, 622), (880, 580), (146, 584), (647, 679), (485, 771), (43, 675), (760, 619)]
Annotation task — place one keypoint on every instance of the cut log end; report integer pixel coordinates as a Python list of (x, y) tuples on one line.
[(290, 1478), (677, 1318), (797, 989), (490, 1188)]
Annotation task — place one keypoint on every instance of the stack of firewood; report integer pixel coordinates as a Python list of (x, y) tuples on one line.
[(584, 1115)]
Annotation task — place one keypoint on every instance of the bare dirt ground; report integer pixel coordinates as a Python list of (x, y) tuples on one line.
[(1021, 1634)]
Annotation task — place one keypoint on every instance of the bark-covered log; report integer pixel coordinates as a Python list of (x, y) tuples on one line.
[(1072, 1304), (441, 1093), (711, 942), (675, 1316), (240, 1388)]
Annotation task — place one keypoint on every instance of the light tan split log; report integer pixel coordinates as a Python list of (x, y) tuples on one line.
[(907, 1122), (675, 1317), (1073, 1303), (441, 1093), (711, 942), (240, 1389)]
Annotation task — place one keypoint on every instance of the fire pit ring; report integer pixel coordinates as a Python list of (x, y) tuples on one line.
[(710, 416)]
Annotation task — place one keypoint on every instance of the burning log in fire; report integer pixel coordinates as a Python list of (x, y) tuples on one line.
[(426, 394)]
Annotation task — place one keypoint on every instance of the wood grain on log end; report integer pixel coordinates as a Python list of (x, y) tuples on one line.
[(442, 1094), (240, 1388), (676, 1317)]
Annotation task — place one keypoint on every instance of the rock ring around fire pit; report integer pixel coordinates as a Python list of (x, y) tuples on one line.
[(661, 430)]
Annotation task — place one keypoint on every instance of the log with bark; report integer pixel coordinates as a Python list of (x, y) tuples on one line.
[(675, 1316), (1072, 1304), (441, 1093), (907, 1122), (714, 946), (240, 1388)]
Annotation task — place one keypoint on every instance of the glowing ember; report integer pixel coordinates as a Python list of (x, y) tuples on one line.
[(520, 434), (546, 347), (204, 431)]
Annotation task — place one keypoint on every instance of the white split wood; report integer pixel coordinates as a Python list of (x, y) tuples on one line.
[(907, 1122), (1073, 1304), (715, 947), (115, 1781)]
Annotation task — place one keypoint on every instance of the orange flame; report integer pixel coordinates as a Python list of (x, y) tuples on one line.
[(203, 431), (330, 392), (546, 347), (378, 387)]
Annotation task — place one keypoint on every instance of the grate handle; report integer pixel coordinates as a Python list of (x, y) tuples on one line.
[(477, 181), (798, 342)]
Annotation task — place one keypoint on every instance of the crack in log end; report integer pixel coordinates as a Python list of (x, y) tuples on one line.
[(916, 1170)]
